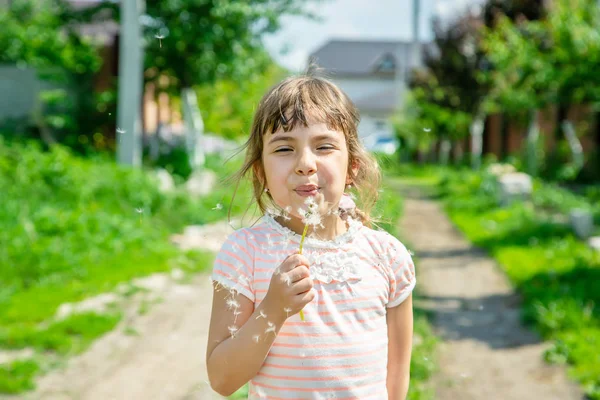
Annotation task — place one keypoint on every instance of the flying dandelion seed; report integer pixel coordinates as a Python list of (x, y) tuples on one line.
[(120, 133), (427, 129), (140, 211), (232, 304), (271, 327), (286, 213), (287, 311), (219, 206), (262, 314), (233, 330), (256, 338), (236, 312), (160, 38), (287, 279)]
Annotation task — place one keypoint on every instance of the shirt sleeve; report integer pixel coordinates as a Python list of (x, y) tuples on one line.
[(402, 274), (234, 265)]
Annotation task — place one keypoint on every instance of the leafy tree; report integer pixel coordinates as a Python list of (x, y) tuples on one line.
[(550, 61), (194, 42), (37, 36), (445, 92), (228, 106)]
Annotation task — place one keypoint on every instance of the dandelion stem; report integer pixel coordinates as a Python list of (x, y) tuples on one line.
[(303, 237), (300, 252)]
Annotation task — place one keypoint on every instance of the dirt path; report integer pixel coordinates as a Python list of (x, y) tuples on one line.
[(159, 355), (486, 353)]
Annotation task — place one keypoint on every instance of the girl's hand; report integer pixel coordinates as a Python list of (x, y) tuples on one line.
[(290, 287)]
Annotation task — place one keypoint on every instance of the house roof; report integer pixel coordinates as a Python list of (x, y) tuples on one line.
[(358, 57)]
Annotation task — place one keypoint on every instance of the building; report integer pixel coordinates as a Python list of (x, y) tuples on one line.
[(373, 73)]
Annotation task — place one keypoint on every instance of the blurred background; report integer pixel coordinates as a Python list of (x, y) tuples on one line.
[(120, 122)]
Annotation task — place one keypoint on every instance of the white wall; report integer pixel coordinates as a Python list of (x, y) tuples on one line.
[(372, 126), (360, 87)]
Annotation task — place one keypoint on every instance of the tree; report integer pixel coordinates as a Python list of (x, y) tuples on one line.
[(229, 105), (550, 61), (445, 92), (38, 36)]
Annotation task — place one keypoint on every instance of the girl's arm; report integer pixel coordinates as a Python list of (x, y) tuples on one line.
[(400, 332), (234, 353)]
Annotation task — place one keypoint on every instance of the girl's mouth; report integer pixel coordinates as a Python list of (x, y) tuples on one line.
[(307, 190)]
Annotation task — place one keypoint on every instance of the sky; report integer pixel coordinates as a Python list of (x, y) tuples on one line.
[(354, 19)]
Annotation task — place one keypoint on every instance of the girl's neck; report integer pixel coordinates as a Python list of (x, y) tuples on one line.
[(333, 226)]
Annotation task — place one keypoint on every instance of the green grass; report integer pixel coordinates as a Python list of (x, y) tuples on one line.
[(72, 228), (423, 362), (557, 274)]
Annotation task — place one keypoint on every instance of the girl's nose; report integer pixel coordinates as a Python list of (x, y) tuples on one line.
[(306, 164)]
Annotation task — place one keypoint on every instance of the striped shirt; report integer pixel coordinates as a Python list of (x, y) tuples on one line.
[(340, 350)]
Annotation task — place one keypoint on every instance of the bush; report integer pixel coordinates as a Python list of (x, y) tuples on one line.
[(558, 275)]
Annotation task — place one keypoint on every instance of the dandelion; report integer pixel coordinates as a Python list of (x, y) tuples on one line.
[(160, 38), (233, 330), (219, 206), (271, 327), (427, 129), (256, 338), (287, 311), (262, 314), (309, 217)]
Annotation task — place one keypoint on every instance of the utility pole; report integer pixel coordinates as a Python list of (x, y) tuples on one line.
[(416, 47), (131, 61)]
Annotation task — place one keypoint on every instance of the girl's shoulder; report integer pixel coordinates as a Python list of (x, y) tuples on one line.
[(384, 243)]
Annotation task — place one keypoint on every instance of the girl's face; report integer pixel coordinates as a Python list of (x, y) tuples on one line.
[(306, 162)]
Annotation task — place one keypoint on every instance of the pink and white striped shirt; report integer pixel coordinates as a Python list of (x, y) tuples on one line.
[(340, 350)]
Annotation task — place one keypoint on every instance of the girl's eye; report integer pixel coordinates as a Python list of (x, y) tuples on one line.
[(327, 147), (283, 149)]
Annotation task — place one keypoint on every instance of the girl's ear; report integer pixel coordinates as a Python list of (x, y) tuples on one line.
[(352, 172)]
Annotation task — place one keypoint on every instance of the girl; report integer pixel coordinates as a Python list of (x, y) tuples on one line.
[(311, 303)]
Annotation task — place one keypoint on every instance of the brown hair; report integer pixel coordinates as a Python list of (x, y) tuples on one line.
[(289, 103)]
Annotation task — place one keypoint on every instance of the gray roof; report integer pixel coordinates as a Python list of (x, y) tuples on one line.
[(358, 57)]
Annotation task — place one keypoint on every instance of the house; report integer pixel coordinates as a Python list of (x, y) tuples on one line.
[(374, 75)]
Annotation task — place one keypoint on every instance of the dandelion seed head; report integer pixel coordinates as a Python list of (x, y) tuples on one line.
[(159, 36), (121, 131), (427, 129), (139, 210)]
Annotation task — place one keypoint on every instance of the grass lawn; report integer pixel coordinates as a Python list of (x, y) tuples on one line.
[(71, 228), (557, 274)]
